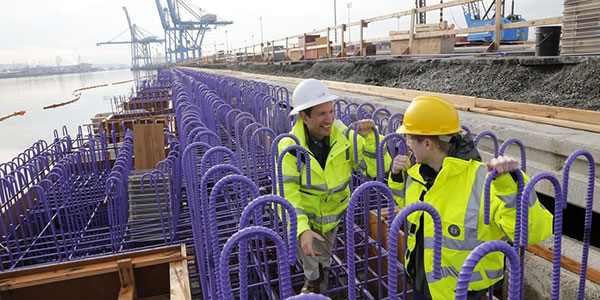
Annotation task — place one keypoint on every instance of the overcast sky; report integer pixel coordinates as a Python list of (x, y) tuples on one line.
[(40, 30)]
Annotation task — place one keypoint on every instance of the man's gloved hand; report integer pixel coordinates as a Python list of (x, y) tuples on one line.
[(306, 242)]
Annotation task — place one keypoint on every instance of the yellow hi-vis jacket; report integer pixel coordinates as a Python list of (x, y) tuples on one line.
[(324, 204), (457, 194)]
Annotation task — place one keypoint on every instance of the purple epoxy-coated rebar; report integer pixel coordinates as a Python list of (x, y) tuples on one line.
[(379, 121), (196, 203), (352, 127), (275, 145), (218, 153), (285, 286), (218, 189), (558, 213), (381, 150), (393, 245), (291, 211), (492, 136), (202, 205), (337, 108), (518, 247), (263, 158), (356, 195), (467, 129), (362, 113), (348, 112), (487, 195), (462, 285), (279, 178), (207, 137), (153, 178), (587, 227), (247, 149), (252, 210), (394, 121), (505, 145)]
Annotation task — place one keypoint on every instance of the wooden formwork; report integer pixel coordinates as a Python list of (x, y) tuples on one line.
[(581, 31), (118, 121), (159, 273)]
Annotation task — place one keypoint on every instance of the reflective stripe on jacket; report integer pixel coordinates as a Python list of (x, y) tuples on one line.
[(457, 194), (324, 204)]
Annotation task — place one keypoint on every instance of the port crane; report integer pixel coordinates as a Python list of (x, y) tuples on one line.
[(184, 37), (141, 54)]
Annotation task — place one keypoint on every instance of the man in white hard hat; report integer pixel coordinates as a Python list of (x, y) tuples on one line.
[(321, 206)]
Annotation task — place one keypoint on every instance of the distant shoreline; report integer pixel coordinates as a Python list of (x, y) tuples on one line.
[(54, 72)]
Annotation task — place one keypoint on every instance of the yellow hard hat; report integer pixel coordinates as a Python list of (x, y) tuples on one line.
[(430, 115)]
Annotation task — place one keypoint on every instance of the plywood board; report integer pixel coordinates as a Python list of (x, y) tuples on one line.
[(432, 45), (148, 146)]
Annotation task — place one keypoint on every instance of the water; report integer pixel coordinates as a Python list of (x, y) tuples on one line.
[(33, 93)]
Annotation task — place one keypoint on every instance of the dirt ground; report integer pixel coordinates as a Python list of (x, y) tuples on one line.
[(565, 81)]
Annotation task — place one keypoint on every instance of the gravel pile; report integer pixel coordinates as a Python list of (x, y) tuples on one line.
[(561, 81)]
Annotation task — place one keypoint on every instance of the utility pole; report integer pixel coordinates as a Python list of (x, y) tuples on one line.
[(261, 31), (335, 19), (226, 44), (349, 5)]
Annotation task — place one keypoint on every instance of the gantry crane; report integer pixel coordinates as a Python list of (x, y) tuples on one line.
[(141, 54), (184, 38)]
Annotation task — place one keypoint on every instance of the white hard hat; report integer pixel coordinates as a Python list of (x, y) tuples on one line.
[(309, 93)]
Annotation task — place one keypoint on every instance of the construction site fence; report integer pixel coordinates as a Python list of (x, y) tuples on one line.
[(280, 49)]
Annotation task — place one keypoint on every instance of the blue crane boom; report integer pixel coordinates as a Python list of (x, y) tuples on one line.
[(184, 38), (141, 54)]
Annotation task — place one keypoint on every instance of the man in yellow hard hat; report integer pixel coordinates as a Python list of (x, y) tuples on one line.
[(320, 207), (450, 176)]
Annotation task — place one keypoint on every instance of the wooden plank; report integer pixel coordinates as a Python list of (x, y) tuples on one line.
[(565, 262), (563, 113), (536, 119), (126, 272), (498, 25), (148, 145), (180, 283), (126, 293), (179, 278), (84, 268), (534, 23), (411, 35), (396, 93)]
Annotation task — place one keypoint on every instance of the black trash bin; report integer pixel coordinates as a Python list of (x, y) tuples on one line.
[(547, 40)]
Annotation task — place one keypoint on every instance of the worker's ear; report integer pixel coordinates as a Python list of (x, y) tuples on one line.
[(429, 144), (303, 116)]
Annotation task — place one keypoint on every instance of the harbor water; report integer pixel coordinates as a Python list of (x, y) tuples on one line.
[(31, 94)]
